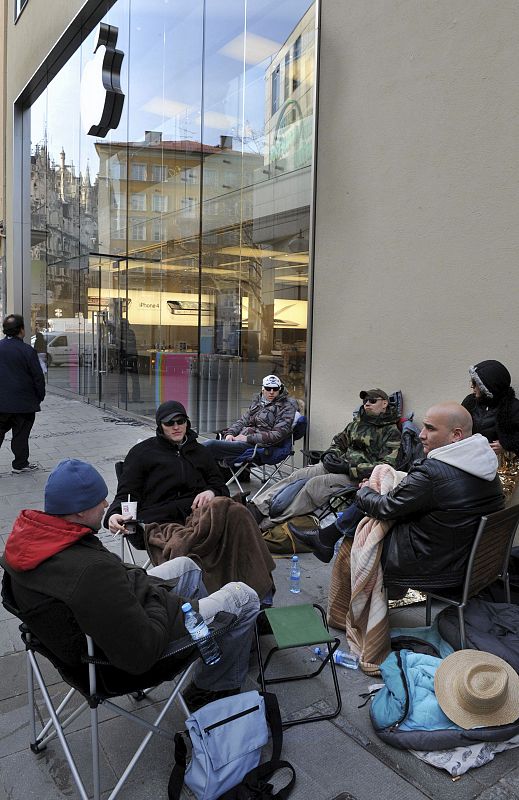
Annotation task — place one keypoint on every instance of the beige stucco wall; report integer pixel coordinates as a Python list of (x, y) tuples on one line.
[(38, 28), (417, 229)]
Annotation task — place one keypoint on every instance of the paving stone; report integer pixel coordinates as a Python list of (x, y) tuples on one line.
[(498, 792), (511, 781)]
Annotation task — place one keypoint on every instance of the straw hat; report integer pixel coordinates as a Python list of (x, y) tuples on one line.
[(477, 689)]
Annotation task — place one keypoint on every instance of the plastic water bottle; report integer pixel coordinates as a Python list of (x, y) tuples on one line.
[(341, 657), (295, 576), (197, 627)]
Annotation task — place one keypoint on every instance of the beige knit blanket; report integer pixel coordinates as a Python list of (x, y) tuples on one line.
[(357, 601)]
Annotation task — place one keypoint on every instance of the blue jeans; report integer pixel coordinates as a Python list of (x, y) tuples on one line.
[(237, 598), (221, 450)]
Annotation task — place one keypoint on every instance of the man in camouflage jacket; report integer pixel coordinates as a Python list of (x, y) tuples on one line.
[(268, 420), (372, 438)]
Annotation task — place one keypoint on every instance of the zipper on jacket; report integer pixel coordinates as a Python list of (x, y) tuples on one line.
[(406, 690), (395, 725), (231, 719)]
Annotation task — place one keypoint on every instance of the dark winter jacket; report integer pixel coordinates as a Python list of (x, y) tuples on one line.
[(22, 384), (164, 478), (497, 421), (436, 510), (366, 442), (266, 423), (130, 615), (495, 414)]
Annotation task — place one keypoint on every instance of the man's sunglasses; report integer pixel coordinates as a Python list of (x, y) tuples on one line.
[(371, 400), (271, 388), (176, 421)]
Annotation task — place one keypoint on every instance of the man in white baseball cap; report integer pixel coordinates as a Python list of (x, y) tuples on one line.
[(268, 420)]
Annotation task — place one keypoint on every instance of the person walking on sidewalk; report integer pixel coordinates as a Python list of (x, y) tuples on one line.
[(40, 345), (22, 389)]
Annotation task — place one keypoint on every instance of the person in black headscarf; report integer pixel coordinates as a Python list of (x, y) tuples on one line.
[(493, 406)]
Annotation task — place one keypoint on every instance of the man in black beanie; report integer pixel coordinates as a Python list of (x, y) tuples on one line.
[(131, 615), (182, 498), (169, 475)]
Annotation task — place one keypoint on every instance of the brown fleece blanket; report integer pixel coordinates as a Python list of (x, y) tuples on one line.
[(223, 539)]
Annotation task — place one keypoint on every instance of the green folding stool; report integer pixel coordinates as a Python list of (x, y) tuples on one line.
[(299, 626)]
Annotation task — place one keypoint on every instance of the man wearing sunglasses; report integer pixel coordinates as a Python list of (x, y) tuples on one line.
[(169, 475), (268, 420), (182, 497), (372, 438)]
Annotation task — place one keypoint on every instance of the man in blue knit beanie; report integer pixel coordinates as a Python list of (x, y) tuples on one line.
[(132, 615)]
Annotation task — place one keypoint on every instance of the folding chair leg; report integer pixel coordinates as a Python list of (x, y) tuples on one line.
[(94, 733), (258, 652), (30, 698), (43, 739), (174, 696), (461, 620), (50, 708), (428, 608)]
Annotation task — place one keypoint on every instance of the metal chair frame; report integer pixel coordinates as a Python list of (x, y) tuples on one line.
[(252, 460), (126, 546), (182, 650), (55, 726), (331, 642), (488, 562)]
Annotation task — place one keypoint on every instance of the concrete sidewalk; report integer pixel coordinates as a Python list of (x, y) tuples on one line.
[(330, 758)]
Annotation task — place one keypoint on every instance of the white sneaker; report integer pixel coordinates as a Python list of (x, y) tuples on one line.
[(28, 468)]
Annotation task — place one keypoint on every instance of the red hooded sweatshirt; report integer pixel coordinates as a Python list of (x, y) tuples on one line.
[(37, 536)]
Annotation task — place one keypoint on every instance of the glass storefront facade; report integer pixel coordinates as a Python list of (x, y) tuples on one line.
[(170, 259)]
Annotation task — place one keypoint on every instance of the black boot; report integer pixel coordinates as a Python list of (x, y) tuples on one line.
[(195, 698), (311, 539), (256, 513)]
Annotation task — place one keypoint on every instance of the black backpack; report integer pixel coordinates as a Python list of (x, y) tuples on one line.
[(411, 448)]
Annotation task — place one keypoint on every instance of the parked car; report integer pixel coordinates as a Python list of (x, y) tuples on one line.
[(63, 347)]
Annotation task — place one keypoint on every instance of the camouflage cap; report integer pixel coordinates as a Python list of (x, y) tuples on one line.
[(373, 393)]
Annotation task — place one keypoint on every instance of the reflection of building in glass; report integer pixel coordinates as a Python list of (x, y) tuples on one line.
[(289, 120), (63, 227), (289, 101), (153, 190), (192, 246)]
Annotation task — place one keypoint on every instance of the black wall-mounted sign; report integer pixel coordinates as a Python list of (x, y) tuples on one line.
[(111, 78)]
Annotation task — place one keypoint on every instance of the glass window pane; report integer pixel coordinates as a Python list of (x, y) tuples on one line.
[(177, 246)]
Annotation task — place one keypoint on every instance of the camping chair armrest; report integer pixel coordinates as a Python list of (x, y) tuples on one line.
[(339, 498), (250, 455), (312, 456), (221, 624)]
